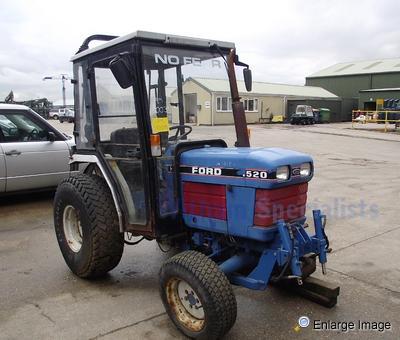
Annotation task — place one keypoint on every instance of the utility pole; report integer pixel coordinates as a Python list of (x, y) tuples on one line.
[(63, 78)]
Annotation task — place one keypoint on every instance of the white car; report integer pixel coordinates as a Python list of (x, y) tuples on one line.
[(67, 116), (33, 154), (57, 113)]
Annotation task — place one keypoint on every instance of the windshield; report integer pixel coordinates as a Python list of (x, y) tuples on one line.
[(300, 109), (186, 87)]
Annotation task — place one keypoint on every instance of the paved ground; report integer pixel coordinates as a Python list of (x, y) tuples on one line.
[(356, 182)]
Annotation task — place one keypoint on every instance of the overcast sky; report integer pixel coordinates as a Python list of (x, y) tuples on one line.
[(283, 41)]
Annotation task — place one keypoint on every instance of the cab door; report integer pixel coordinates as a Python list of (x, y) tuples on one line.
[(119, 141)]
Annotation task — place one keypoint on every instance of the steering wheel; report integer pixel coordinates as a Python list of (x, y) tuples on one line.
[(178, 129), (32, 134)]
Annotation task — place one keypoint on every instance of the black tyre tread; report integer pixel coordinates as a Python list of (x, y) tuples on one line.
[(107, 241), (215, 282)]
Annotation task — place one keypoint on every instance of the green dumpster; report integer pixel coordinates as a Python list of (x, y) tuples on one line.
[(325, 115)]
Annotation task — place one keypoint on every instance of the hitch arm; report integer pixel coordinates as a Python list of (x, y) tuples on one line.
[(319, 238)]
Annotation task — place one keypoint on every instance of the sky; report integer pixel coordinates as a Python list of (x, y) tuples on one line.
[(283, 41)]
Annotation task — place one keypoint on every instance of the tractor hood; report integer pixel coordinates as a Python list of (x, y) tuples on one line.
[(255, 167)]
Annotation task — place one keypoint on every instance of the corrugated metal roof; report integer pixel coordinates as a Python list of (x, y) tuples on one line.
[(360, 67), (382, 90), (222, 85)]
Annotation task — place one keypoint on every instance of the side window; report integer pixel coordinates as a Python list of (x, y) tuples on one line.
[(116, 106), (18, 127), (84, 126)]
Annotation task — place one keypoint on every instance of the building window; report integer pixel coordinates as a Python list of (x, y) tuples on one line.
[(250, 105), (224, 104)]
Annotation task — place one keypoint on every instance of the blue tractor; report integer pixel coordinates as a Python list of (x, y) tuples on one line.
[(236, 215)]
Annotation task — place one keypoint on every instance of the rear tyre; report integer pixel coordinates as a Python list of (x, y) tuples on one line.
[(55, 117), (197, 296), (86, 226)]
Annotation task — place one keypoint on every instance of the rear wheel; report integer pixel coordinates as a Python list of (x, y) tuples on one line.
[(86, 226), (55, 117), (197, 296)]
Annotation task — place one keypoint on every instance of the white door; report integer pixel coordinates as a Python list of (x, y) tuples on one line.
[(32, 160), (2, 170)]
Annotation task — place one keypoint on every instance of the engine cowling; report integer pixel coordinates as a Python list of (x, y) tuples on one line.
[(236, 191)]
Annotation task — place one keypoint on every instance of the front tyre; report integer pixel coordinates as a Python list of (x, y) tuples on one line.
[(86, 226), (197, 296)]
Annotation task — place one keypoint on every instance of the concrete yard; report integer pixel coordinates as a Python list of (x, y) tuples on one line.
[(356, 182)]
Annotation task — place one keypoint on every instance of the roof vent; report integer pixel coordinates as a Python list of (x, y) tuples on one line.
[(372, 65), (344, 67)]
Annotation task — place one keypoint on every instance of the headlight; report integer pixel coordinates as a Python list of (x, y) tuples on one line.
[(282, 173), (305, 169)]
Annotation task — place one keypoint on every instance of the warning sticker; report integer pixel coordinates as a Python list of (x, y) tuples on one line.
[(159, 124)]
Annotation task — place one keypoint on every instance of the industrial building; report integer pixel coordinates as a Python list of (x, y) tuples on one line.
[(207, 101), (360, 83)]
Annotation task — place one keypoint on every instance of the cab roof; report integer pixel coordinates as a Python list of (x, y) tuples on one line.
[(167, 39)]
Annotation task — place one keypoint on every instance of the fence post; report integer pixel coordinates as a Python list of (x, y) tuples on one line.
[(385, 121)]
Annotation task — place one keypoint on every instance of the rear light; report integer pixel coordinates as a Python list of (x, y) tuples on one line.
[(155, 143)]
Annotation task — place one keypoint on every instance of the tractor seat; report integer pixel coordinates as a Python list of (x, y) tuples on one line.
[(125, 136)]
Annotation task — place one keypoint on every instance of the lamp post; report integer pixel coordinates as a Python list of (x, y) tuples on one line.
[(63, 78)]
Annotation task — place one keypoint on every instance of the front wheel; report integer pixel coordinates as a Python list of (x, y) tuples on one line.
[(197, 296)]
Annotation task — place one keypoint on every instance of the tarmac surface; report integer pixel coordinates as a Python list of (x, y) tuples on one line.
[(356, 182)]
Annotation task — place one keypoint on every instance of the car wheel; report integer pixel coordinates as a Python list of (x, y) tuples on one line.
[(197, 296), (55, 117), (86, 226)]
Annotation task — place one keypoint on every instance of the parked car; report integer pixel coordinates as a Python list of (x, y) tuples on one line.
[(54, 114), (33, 154), (57, 113), (67, 116)]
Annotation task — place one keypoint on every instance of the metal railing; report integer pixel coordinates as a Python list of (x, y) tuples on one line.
[(364, 117)]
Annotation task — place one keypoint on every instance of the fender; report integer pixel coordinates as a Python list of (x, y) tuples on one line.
[(93, 159)]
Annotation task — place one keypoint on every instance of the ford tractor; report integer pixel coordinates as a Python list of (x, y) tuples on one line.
[(235, 215)]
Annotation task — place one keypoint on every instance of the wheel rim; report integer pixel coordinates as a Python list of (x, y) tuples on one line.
[(72, 228), (185, 304)]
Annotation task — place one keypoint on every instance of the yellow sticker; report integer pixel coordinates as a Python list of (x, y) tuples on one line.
[(159, 124), (379, 102)]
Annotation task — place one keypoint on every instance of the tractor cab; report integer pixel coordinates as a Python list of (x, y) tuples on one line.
[(236, 214), (131, 98)]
